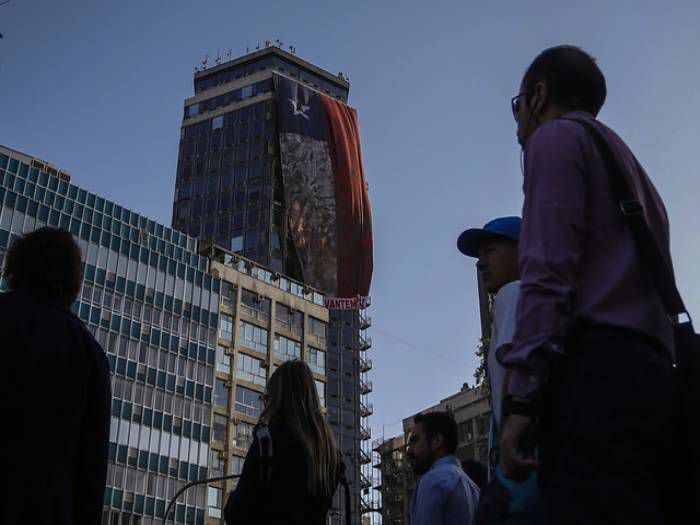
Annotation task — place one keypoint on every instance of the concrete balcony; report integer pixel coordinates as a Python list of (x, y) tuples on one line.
[(364, 458), (365, 387), (366, 410), (365, 365), (365, 343), (365, 433), (365, 321)]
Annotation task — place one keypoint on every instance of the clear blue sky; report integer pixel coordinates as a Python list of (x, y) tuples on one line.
[(97, 88)]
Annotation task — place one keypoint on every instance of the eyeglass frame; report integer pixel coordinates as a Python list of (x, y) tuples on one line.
[(515, 104)]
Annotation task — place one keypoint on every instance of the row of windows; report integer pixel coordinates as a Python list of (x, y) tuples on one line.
[(233, 96), (107, 251), (139, 293), (157, 404), (116, 303), (64, 196), (248, 179)]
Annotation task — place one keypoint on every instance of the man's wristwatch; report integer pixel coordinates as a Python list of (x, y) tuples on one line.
[(520, 406)]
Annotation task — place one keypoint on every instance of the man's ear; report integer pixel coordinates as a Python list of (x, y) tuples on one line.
[(437, 442), (540, 98)]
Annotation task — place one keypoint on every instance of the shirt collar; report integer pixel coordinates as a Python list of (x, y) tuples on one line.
[(444, 461)]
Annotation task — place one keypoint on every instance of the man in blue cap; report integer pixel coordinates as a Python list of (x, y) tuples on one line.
[(495, 246)]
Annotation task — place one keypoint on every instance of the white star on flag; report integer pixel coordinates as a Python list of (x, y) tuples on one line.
[(299, 109)]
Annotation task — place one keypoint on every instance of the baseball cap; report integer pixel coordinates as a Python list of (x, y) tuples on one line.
[(469, 241)]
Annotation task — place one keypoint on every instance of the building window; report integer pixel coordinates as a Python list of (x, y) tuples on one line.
[(237, 243), (223, 360), (219, 428), (253, 337), (221, 393), (251, 369), (316, 359), (225, 327), (193, 110), (237, 464), (217, 122), (228, 294), (248, 402), (286, 349), (243, 437), (216, 463), (214, 501), (246, 92), (321, 391), (255, 305), (317, 329)]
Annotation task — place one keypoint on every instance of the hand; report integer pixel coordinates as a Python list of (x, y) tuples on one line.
[(516, 463)]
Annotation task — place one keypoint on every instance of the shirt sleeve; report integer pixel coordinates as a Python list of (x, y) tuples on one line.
[(504, 309), (550, 251)]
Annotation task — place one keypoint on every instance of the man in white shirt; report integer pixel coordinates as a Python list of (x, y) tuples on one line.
[(496, 247)]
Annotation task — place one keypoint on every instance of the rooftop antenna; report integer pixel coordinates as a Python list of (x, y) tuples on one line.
[(258, 46), (293, 49), (247, 49), (229, 53), (204, 62), (218, 57)]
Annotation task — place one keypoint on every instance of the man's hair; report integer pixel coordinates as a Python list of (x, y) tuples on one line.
[(442, 423), (46, 261), (574, 80)]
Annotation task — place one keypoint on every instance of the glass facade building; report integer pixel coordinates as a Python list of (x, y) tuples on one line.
[(149, 301), (229, 193)]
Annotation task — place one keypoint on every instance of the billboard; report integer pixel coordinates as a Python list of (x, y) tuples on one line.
[(328, 209)]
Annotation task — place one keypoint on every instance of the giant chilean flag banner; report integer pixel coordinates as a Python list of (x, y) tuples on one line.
[(328, 208)]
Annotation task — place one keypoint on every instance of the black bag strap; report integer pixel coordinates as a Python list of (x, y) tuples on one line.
[(633, 211)]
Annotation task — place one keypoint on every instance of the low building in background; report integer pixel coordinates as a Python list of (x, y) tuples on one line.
[(472, 411), (192, 335)]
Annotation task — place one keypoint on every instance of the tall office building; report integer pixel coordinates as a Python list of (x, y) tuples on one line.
[(230, 192), (191, 341)]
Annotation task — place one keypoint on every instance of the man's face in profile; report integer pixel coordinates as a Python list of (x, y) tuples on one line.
[(419, 452)]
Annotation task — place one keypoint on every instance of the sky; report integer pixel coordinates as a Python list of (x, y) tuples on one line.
[(97, 88)]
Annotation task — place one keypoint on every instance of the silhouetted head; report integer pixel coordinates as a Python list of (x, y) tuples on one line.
[(434, 436), (292, 399), (47, 262), (560, 80)]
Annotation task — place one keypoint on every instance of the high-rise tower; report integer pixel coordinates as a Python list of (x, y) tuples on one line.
[(230, 192)]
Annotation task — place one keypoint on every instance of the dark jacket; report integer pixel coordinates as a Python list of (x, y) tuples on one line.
[(280, 497), (55, 401)]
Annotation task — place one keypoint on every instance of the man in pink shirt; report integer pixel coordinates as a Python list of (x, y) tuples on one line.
[(592, 352)]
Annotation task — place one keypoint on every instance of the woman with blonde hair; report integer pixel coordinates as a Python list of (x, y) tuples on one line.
[(293, 467)]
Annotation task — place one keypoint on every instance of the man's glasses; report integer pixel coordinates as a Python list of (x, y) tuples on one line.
[(515, 104)]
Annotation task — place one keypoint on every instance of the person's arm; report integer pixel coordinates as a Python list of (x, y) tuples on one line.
[(550, 250), (243, 502)]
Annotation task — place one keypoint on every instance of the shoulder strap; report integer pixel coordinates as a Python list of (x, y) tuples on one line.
[(265, 452), (633, 212)]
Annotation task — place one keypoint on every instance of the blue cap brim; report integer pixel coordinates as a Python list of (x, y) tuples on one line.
[(469, 241)]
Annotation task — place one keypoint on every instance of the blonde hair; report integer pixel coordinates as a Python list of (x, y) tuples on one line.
[(292, 400)]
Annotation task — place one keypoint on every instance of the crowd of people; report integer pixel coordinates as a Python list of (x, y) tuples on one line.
[(580, 362)]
